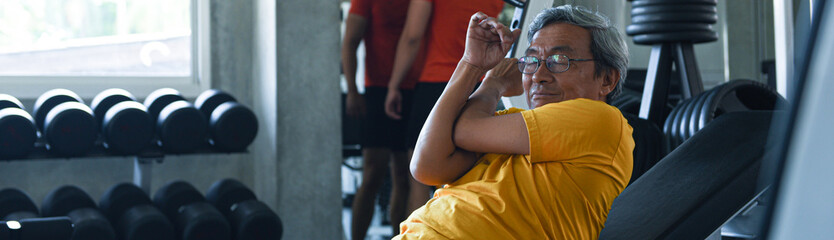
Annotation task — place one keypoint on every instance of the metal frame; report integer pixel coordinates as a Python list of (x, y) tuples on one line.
[(656, 87), (142, 169), (523, 19)]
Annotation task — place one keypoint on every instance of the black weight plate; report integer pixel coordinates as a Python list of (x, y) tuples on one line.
[(225, 193), (89, 223), (107, 99), (121, 197), (686, 119), (759, 96), (756, 96), (17, 133), (173, 195), (201, 221), (70, 129), (667, 127), (641, 3), (701, 8), (695, 17), (49, 100), (676, 119), (254, 220), (181, 128), (160, 98), (9, 101), (14, 200), (704, 107), (693, 37), (127, 128), (63, 200), (692, 127), (675, 124), (635, 29), (233, 127), (681, 120), (145, 222), (210, 99)]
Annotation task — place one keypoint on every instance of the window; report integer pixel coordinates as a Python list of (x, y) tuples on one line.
[(91, 45)]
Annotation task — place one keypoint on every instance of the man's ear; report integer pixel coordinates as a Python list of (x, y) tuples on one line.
[(609, 82)]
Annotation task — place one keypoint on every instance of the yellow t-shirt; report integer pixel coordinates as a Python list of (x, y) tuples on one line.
[(580, 160)]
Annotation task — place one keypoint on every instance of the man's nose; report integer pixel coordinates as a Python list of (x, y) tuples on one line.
[(542, 75)]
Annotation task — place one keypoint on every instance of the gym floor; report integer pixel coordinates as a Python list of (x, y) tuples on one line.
[(351, 179)]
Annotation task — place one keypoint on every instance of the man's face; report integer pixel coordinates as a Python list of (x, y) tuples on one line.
[(543, 86)]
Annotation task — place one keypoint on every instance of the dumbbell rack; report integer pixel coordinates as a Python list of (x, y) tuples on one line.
[(142, 163), (142, 166)]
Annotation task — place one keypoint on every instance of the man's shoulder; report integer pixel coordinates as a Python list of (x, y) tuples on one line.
[(509, 111), (582, 105), (585, 115)]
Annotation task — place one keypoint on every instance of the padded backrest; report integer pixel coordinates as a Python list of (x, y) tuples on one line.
[(692, 191), (648, 144)]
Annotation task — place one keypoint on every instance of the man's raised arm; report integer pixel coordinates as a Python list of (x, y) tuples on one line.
[(437, 160)]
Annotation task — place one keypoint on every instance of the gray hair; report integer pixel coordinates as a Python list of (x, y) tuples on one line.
[(607, 44)]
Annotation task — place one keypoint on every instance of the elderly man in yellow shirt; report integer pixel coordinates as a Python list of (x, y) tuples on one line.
[(551, 172)]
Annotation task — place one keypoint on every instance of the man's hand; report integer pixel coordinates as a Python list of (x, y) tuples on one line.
[(355, 105), (505, 77), (393, 103), (487, 41)]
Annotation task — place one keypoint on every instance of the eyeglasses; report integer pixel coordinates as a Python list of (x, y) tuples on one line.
[(555, 63)]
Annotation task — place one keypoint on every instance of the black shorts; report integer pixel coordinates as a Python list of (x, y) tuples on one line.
[(379, 130), (425, 96)]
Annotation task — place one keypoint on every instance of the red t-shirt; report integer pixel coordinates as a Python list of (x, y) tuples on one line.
[(385, 19), (446, 34)]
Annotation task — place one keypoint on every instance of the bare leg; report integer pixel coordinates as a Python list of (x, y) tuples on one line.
[(376, 159), (399, 193), (419, 194)]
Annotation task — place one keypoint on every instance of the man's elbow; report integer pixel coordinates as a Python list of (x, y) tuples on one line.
[(423, 174), (412, 40)]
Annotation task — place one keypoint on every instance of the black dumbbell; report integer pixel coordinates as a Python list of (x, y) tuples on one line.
[(74, 203), (17, 129), (65, 122), (126, 126), (133, 215), (180, 126), (15, 205), (193, 217), (250, 218), (232, 126)]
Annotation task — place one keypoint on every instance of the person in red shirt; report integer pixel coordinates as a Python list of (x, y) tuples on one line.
[(442, 24), (379, 23)]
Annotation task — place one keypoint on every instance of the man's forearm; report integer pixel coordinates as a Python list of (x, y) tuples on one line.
[(436, 158), (349, 68), (407, 50)]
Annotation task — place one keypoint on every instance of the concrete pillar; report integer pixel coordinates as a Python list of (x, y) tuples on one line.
[(231, 64), (306, 170)]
